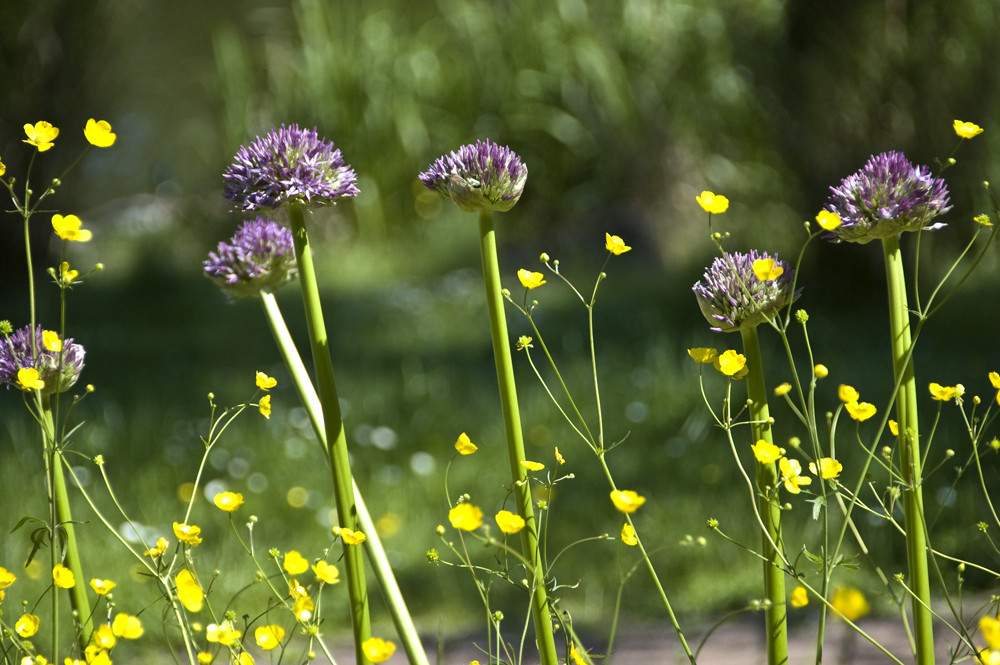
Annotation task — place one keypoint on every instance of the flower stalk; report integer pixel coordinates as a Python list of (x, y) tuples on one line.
[(343, 483), (909, 449), (515, 442), (376, 552), (63, 521), (775, 615)]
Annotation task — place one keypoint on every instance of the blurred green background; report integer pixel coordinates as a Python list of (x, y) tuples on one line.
[(623, 111)]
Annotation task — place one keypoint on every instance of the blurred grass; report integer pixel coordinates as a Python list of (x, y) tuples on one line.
[(623, 112)]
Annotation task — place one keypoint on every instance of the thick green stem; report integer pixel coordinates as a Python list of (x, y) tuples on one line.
[(515, 442), (770, 513), (405, 628), (909, 451), (343, 483), (64, 519)]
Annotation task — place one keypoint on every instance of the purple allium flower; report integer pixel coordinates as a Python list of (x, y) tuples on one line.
[(732, 300), (484, 176), (16, 353), (886, 197), (288, 165), (259, 257)]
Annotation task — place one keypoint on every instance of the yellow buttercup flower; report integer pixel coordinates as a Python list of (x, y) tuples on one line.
[(264, 406), (70, 228), (712, 202), (730, 363), (848, 394), (264, 382), (799, 597), (575, 655), (127, 626), (766, 452), (95, 655), (27, 625), (615, 245), (466, 517), (303, 608), (828, 220), (524, 342), (205, 658), (41, 135), (326, 573), (532, 466), (828, 468), (3, 167), (66, 276), (941, 393), (791, 475), (244, 659), (104, 637), (860, 411), (990, 629), (223, 633), (6, 578), (893, 427), (158, 549), (628, 535), (509, 522), (821, 371), (530, 280), (269, 637), (51, 341), (627, 501), (295, 563), (559, 458), (378, 650), (967, 130), (28, 379), (982, 219), (189, 534), (189, 592), (767, 270), (98, 133), (850, 603), (63, 577), (703, 355), (782, 389), (228, 501), (464, 445), (350, 536)]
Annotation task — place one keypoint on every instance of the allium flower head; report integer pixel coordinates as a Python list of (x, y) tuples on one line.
[(732, 297), (484, 176), (58, 369), (259, 257), (288, 165), (887, 196)]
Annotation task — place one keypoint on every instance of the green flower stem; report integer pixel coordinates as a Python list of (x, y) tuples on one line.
[(515, 442), (909, 450), (405, 628), (770, 513), (343, 483), (64, 520)]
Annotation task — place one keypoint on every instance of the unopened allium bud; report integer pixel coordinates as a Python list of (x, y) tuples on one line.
[(484, 176)]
